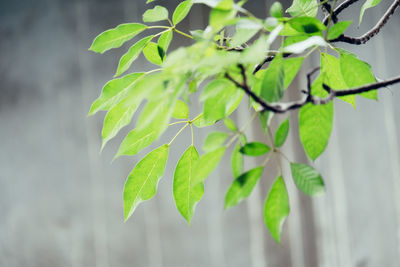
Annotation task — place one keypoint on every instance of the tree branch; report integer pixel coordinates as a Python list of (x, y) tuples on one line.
[(332, 94), (339, 9), (371, 33), (326, 7)]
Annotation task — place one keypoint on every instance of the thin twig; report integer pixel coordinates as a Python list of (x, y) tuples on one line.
[(339, 9), (371, 33)]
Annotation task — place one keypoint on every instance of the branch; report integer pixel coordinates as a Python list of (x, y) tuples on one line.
[(332, 94), (326, 7), (266, 60), (371, 33), (339, 9)]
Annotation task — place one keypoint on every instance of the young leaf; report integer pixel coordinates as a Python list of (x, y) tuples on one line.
[(181, 11), (136, 140), (276, 208), (357, 73), (237, 161), (303, 8), (133, 53), (273, 81), (366, 5), (291, 67), (255, 149), (315, 126), (114, 91), (141, 184), (282, 133), (187, 194), (206, 164), (151, 52), (181, 110), (242, 187), (307, 179), (116, 37), (163, 43), (214, 140), (158, 13), (276, 10), (337, 29)]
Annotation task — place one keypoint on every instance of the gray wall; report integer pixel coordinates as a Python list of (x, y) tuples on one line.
[(61, 201)]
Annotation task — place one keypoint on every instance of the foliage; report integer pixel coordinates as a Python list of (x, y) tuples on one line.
[(224, 62)]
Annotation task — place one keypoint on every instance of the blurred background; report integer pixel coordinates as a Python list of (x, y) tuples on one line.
[(61, 200)]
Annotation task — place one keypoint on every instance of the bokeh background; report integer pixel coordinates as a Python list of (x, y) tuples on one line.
[(61, 200)]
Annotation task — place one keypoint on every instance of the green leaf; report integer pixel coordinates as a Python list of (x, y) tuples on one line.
[(282, 133), (276, 10), (222, 15), (181, 11), (114, 91), (214, 140), (315, 126), (186, 193), (265, 120), (303, 8), (163, 43), (230, 125), (151, 52), (181, 110), (273, 81), (133, 53), (141, 184), (245, 30), (136, 140), (366, 5), (302, 46), (149, 1), (158, 13), (307, 25), (276, 208), (117, 118), (332, 77), (237, 161), (207, 163), (337, 29), (221, 99), (307, 179), (242, 187), (357, 73), (255, 149), (116, 37), (291, 67)]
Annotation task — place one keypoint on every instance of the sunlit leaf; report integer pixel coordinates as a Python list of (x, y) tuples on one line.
[(181, 11), (136, 140), (291, 67), (230, 125), (141, 184), (151, 52), (186, 193), (245, 30), (337, 29), (157, 13), (116, 37), (114, 91), (133, 53), (302, 46), (307, 179), (307, 25), (206, 164), (181, 110), (163, 43), (255, 149), (276, 208), (242, 187), (276, 10), (272, 87), (303, 8)]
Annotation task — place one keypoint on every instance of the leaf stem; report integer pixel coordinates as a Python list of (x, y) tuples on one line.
[(182, 33), (173, 139), (177, 122)]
